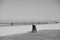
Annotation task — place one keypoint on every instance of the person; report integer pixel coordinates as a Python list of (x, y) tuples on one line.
[(34, 28), (11, 24), (56, 22)]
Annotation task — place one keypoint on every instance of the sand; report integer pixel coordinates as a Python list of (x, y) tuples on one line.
[(40, 35)]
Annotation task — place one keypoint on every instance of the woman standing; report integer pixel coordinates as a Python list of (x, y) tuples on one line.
[(34, 28)]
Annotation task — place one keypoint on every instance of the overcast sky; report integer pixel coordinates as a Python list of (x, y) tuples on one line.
[(30, 10)]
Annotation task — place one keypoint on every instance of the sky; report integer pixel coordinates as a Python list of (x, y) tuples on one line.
[(29, 10)]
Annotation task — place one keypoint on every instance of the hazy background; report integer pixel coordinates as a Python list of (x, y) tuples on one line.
[(29, 10)]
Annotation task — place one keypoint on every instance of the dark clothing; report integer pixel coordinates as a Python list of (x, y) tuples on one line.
[(34, 28), (11, 24)]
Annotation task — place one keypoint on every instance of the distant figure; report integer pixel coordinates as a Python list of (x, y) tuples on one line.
[(11, 24), (56, 22), (34, 28)]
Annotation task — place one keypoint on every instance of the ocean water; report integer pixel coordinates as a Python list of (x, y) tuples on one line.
[(10, 30)]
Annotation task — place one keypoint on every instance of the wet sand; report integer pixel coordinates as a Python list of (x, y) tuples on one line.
[(40, 35)]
